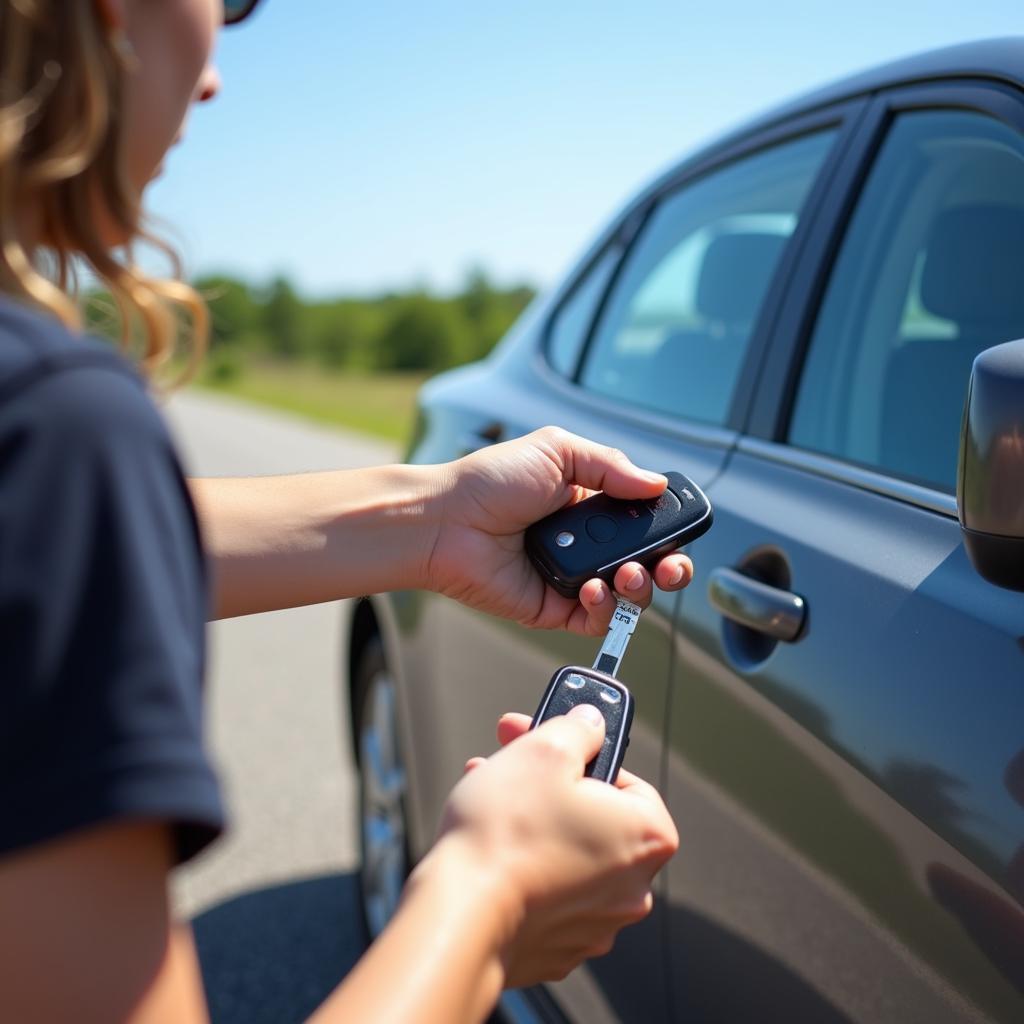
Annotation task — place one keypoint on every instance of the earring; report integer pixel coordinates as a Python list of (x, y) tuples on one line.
[(123, 48)]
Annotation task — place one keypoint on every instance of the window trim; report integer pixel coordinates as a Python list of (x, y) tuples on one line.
[(787, 350), (591, 263), (853, 474), (844, 117), (621, 233), (674, 427)]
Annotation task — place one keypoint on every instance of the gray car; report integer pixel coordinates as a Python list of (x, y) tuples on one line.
[(834, 709)]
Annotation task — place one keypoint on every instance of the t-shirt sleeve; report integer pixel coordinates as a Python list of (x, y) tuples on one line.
[(102, 616)]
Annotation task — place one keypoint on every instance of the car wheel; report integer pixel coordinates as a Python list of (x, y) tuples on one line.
[(382, 787)]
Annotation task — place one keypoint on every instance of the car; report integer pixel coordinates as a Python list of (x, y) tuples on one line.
[(833, 710)]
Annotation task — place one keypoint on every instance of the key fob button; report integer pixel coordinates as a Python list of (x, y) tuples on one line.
[(668, 502), (573, 685), (602, 529), (565, 538)]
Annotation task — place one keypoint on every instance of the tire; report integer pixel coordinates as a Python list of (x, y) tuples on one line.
[(383, 787)]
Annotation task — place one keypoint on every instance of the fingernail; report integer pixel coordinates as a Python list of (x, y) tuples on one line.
[(656, 478), (588, 713), (677, 575), (599, 596), (636, 581)]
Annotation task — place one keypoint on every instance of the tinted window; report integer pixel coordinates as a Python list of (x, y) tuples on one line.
[(929, 275), (571, 323), (676, 327)]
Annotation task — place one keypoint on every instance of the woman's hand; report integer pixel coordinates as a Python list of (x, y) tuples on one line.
[(457, 528), (570, 859), (491, 496)]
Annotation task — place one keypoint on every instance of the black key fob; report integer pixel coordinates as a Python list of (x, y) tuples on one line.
[(596, 536), (574, 685)]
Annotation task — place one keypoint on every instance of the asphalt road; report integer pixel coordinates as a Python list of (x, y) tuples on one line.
[(274, 903)]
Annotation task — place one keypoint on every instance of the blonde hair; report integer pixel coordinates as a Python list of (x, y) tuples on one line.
[(62, 84)]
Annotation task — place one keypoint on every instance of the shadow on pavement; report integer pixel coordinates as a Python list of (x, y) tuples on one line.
[(272, 956)]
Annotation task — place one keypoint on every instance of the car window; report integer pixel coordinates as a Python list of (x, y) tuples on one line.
[(675, 329), (571, 322), (928, 275)]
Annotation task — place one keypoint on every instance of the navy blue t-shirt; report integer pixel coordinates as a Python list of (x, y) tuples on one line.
[(102, 599)]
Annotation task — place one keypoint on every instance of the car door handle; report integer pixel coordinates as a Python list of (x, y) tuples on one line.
[(474, 440), (757, 605)]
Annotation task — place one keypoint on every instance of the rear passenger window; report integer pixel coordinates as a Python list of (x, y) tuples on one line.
[(571, 322), (674, 332), (928, 276)]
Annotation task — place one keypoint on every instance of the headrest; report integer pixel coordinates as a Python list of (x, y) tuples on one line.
[(974, 268), (735, 275)]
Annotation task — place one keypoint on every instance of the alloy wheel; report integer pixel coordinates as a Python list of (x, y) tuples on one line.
[(382, 802)]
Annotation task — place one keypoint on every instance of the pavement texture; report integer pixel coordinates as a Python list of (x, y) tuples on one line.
[(274, 903)]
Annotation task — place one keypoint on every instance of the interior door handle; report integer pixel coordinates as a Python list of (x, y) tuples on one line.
[(757, 605)]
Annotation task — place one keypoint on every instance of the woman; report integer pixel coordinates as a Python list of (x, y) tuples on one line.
[(104, 785)]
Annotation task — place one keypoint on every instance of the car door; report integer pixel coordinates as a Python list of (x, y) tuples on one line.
[(647, 352), (847, 724)]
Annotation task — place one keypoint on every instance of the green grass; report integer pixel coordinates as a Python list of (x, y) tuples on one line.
[(382, 404)]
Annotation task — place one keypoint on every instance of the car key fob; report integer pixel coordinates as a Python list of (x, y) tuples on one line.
[(597, 535), (572, 685)]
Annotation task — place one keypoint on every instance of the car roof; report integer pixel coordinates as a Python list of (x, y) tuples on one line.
[(999, 60)]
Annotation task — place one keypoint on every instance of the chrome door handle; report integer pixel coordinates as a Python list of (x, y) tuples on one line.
[(757, 605)]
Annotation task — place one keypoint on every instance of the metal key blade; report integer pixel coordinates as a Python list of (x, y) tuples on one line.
[(624, 621)]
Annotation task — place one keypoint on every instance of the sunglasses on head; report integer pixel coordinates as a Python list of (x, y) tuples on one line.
[(238, 10)]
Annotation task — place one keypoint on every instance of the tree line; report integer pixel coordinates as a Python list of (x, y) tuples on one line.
[(414, 330)]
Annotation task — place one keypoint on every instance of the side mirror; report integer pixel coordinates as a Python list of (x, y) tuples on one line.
[(990, 472)]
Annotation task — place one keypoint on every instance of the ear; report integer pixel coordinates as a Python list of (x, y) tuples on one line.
[(112, 13)]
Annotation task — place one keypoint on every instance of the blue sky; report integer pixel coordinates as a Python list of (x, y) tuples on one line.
[(358, 147)]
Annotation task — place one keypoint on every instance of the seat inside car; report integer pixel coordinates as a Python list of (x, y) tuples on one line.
[(972, 277), (734, 276)]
